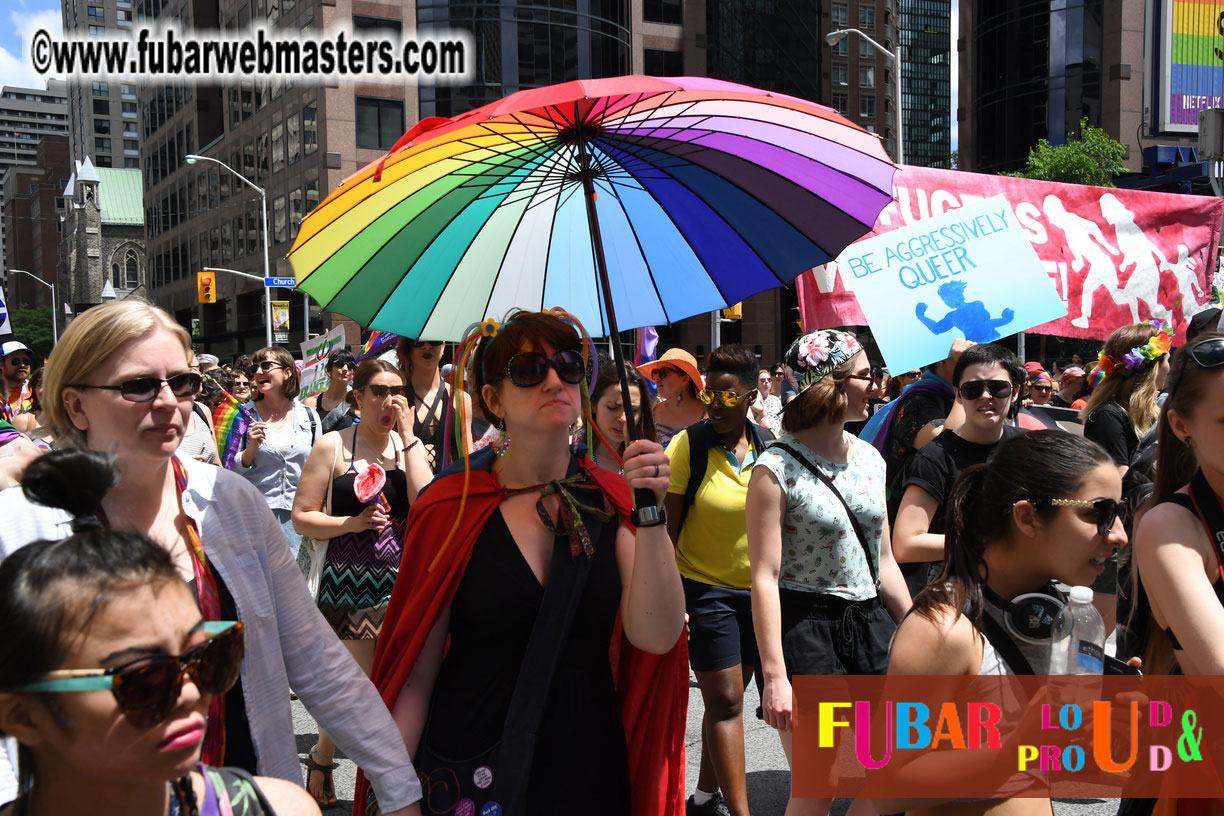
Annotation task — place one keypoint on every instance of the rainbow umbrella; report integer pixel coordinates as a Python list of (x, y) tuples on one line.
[(630, 202)]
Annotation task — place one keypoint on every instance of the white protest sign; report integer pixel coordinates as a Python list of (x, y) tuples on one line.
[(5, 327), (970, 273), (314, 361)]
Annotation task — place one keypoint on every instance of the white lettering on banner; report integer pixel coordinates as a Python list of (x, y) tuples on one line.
[(1115, 256)]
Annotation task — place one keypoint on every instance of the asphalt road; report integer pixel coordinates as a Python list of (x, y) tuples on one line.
[(768, 777)]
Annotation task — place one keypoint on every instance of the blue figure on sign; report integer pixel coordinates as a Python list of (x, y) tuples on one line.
[(972, 318)]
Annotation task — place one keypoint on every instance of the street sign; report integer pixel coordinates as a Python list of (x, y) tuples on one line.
[(286, 282), (281, 337)]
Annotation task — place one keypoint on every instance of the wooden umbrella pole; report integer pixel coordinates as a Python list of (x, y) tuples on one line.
[(645, 511)]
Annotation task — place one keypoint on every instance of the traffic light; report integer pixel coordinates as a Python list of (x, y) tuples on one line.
[(206, 287)]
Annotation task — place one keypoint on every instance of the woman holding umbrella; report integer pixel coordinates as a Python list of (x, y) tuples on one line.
[(678, 380), (530, 528)]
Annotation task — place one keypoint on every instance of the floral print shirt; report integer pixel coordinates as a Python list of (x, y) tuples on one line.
[(820, 550)]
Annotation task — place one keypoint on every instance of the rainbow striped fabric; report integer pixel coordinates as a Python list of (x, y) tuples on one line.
[(376, 344), (230, 423)]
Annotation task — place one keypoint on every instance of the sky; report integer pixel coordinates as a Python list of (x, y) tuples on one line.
[(19, 19)]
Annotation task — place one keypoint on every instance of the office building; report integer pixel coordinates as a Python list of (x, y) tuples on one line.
[(926, 81), (26, 116), (102, 114), (32, 213), (1032, 69)]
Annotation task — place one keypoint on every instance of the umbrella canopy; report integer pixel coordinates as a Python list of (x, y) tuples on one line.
[(705, 192)]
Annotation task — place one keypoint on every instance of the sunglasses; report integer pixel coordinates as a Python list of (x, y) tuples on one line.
[(973, 389), (268, 365), (147, 689), (1041, 388), (659, 374), (381, 391), (1207, 353), (241, 384), (19, 362), (876, 376), (419, 343), (349, 366), (728, 398), (779, 374), (146, 389), (530, 368), (1104, 511)]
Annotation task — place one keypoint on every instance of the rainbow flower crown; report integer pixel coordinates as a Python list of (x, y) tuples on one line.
[(1138, 359)]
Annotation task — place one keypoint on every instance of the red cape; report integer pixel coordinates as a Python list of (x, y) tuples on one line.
[(653, 689)]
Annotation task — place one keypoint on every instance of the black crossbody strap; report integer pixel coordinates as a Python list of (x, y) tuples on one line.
[(567, 578), (1004, 645), (854, 522)]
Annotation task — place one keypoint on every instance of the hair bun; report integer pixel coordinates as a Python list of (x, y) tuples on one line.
[(73, 479)]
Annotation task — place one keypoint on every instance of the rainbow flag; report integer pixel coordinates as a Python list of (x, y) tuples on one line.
[(376, 344), (230, 423)]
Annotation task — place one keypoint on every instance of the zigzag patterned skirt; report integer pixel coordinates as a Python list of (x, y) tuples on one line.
[(359, 571)]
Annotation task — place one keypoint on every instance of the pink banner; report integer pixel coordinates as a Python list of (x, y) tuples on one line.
[(1115, 256)]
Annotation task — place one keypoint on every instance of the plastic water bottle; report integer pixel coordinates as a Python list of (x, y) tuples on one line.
[(1077, 641)]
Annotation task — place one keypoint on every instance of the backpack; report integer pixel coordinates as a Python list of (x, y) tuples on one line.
[(702, 439)]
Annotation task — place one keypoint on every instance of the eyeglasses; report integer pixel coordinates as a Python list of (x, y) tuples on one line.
[(147, 689), (18, 362), (419, 343), (728, 398), (1104, 511), (779, 374), (381, 391), (530, 368), (146, 389), (268, 365), (973, 389), (241, 384), (659, 374)]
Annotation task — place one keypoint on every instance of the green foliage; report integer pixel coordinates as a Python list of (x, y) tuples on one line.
[(33, 327), (1093, 158)]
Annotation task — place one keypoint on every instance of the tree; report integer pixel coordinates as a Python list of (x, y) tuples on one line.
[(1092, 158), (32, 326)]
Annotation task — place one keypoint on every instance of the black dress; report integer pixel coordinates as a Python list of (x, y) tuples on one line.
[(581, 763)]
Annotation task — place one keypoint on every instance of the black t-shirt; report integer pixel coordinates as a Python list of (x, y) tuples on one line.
[(1111, 428), (1059, 402), (915, 411), (935, 468)]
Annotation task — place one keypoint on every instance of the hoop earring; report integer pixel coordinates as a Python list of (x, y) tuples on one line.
[(501, 444)]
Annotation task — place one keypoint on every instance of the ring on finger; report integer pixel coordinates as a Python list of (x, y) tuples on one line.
[(656, 471)]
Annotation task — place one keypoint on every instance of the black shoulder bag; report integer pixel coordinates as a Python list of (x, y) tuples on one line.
[(501, 773)]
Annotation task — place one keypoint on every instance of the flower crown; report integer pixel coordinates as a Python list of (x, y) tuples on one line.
[(1138, 359)]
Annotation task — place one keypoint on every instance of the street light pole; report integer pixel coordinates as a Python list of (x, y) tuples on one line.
[(192, 158), (54, 321), (833, 37)]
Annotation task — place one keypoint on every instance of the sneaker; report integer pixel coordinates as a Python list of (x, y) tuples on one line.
[(714, 806)]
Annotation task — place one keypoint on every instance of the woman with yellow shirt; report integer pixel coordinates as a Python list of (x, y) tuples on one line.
[(712, 554)]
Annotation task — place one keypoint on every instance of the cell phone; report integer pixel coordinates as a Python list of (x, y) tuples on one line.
[(1115, 666)]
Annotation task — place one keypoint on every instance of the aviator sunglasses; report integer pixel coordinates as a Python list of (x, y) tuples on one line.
[(728, 398), (1104, 511), (531, 367), (146, 389), (973, 389), (147, 689)]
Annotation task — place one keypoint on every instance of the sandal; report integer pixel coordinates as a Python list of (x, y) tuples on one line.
[(328, 799)]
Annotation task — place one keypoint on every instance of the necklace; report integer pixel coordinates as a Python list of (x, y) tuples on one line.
[(596, 461)]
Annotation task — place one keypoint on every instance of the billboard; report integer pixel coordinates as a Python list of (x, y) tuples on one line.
[(1192, 62)]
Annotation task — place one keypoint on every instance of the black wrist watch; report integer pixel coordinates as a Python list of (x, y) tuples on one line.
[(649, 516)]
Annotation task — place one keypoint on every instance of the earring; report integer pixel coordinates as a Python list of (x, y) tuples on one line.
[(501, 443), (573, 434)]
